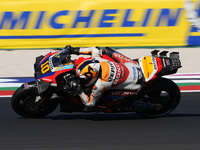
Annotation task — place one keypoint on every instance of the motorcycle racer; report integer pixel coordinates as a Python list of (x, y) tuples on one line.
[(108, 80), (102, 74)]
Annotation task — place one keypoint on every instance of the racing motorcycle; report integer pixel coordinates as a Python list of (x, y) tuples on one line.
[(157, 97)]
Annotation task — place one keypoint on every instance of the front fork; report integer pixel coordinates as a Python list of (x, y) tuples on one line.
[(42, 98)]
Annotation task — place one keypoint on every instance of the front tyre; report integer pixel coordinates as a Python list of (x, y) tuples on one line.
[(27, 103), (163, 96)]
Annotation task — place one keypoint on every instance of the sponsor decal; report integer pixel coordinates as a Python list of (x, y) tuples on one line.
[(120, 76), (25, 20), (51, 63), (121, 57), (178, 20), (85, 23), (46, 79), (122, 93), (154, 63), (112, 71), (134, 74), (167, 62)]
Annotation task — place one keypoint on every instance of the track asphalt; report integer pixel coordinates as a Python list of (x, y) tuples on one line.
[(99, 131)]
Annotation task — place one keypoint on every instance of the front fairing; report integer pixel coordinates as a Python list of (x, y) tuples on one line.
[(52, 65)]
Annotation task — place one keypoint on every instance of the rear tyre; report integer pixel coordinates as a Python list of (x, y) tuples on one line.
[(163, 96), (27, 103)]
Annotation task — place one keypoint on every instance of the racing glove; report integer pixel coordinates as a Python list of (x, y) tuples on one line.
[(72, 50)]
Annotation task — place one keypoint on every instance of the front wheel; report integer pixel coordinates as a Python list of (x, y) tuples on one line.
[(27, 103), (162, 96)]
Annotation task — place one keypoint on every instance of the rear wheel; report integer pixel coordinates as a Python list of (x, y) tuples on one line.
[(162, 97), (28, 103)]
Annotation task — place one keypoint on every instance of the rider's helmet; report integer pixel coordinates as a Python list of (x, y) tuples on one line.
[(88, 72)]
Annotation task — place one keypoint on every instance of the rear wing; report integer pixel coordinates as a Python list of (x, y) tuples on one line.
[(170, 63), (159, 64)]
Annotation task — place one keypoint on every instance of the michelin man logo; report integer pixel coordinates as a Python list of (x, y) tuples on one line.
[(192, 13)]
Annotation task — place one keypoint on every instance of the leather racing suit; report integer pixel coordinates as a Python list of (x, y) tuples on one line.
[(124, 73)]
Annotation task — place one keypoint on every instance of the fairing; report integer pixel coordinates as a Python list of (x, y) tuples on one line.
[(52, 65), (159, 65)]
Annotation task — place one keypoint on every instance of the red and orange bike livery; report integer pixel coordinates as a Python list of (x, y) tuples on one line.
[(157, 97)]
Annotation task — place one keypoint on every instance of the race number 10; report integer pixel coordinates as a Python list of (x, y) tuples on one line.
[(45, 67)]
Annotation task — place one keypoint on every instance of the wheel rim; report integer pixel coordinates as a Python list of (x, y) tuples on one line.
[(29, 103), (161, 103)]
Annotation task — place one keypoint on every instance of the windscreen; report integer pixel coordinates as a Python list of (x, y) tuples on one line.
[(59, 57)]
